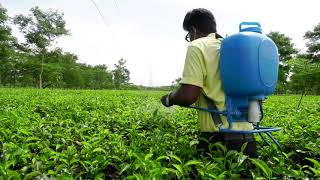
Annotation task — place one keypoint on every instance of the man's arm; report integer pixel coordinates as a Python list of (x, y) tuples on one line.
[(184, 96), (192, 80)]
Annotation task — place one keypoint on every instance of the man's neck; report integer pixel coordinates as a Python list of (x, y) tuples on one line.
[(201, 35)]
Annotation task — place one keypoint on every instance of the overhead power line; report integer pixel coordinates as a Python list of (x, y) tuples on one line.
[(108, 25), (102, 16)]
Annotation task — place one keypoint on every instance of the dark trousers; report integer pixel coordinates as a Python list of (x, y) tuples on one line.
[(232, 141)]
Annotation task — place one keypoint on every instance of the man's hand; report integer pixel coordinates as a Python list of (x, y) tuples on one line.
[(165, 100), (184, 96)]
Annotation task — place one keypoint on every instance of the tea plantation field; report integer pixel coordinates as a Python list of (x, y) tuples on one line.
[(84, 134)]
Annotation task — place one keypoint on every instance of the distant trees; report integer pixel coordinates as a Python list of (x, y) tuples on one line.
[(40, 29), (313, 44), (305, 76), (121, 74), (7, 42), (306, 68), (35, 63)]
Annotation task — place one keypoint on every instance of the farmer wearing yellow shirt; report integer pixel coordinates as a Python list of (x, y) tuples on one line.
[(201, 83)]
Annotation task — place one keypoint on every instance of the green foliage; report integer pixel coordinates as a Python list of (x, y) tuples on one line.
[(73, 134), (34, 64), (121, 74), (305, 77), (6, 46), (313, 44), (40, 30)]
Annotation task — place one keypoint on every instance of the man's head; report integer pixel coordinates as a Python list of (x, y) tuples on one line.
[(199, 23)]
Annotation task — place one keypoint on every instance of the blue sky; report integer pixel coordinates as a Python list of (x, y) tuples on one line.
[(149, 35)]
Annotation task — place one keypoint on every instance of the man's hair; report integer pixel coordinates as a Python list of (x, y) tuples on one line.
[(202, 19)]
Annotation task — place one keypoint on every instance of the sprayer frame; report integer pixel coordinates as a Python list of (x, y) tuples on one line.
[(230, 113)]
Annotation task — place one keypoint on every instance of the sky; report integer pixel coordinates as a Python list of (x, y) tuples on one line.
[(148, 34)]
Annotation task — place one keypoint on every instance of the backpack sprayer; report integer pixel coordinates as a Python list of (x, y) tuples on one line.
[(249, 65)]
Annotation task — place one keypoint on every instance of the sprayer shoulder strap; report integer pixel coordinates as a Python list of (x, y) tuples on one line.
[(215, 117)]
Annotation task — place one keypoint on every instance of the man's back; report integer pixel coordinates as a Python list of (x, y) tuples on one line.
[(201, 78), (202, 69)]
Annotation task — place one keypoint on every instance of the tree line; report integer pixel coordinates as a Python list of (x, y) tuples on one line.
[(35, 63)]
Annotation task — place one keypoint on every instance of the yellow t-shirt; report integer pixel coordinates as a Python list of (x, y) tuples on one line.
[(202, 69)]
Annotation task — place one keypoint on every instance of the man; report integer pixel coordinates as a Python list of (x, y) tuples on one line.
[(201, 83)]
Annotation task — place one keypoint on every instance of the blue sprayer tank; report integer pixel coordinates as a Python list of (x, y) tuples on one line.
[(249, 72), (249, 63)]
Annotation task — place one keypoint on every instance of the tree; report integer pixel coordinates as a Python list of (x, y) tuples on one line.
[(101, 78), (72, 77), (40, 30), (29, 70), (305, 76), (6, 47), (286, 52), (306, 69), (121, 74), (313, 44)]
